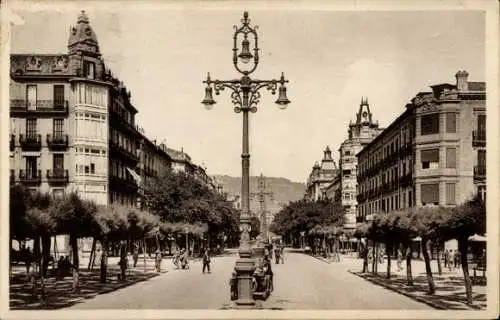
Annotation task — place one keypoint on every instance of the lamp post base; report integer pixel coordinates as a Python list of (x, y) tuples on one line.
[(245, 267)]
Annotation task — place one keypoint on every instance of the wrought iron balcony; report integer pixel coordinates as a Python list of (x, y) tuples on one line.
[(57, 141), (480, 172), (20, 107), (479, 138), (116, 150), (30, 176), (31, 142), (12, 142), (58, 176)]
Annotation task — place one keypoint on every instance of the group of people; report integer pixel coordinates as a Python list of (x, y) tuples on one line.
[(451, 259)]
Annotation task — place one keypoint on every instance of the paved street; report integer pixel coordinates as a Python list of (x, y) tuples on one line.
[(303, 282)]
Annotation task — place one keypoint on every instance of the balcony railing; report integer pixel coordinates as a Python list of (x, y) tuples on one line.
[(132, 156), (58, 176), (479, 138), (480, 172), (30, 141), (20, 107), (57, 141), (30, 176), (12, 142)]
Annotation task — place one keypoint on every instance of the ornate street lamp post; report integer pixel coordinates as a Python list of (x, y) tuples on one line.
[(245, 96)]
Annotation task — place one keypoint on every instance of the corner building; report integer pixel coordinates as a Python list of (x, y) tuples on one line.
[(360, 134), (72, 126), (432, 154)]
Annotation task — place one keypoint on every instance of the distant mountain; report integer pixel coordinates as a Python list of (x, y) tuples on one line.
[(283, 190)]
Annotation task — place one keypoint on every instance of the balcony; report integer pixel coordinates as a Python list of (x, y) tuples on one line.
[(31, 142), (479, 138), (30, 176), (118, 152), (57, 176), (57, 141), (480, 172), (12, 142), (19, 108)]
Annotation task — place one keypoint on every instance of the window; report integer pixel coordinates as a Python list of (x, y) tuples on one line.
[(451, 122), (58, 96), (58, 162), (31, 96), (347, 153), (429, 193), (88, 70), (92, 168), (87, 170), (58, 127), (481, 157), (429, 124), (481, 190), (31, 128), (481, 122), (451, 157), (429, 158), (346, 172), (450, 193), (31, 167)]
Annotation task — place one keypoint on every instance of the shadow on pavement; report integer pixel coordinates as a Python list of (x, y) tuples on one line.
[(449, 295), (59, 292)]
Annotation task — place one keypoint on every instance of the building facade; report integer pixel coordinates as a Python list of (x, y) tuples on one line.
[(321, 177), (432, 154), (360, 134)]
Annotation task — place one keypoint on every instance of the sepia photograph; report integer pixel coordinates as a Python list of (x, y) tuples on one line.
[(266, 159)]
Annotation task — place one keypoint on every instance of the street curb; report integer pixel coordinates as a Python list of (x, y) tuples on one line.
[(318, 258), (124, 285), (418, 299)]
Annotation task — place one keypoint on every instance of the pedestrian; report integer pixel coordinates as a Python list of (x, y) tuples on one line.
[(456, 259), (123, 267), (400, 260), (206, 261), (158, 258), (448, 259), (135, 254), (233, 283)]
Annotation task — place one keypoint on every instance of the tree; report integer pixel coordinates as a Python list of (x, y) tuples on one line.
[(466, 220)]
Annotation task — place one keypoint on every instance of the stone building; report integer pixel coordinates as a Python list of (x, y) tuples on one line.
[(72, 126), (321, 176), (360, 134), (434, 153)]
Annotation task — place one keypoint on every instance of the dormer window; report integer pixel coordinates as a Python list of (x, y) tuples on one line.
[(89, 70)]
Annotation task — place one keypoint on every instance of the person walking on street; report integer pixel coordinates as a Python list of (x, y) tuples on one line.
[(448, 259), (206, 261), (158, 258), (135, 254), (400, 260), (456, 259)]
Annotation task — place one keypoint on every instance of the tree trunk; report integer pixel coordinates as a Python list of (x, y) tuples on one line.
[(440, 269), (45, 254), (76, 261), (428, 270), (463, 245), (388, 249), (374, 260), (409, 254), (365, 258), (104, 259), (144, 253), (92, 255)]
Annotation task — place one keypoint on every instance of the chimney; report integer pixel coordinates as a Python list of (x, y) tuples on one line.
[(462, 80)]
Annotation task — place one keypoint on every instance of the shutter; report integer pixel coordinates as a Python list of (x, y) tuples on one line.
[(430, 155), (450, 193), (451, 122), (429, 193), (451, 157)]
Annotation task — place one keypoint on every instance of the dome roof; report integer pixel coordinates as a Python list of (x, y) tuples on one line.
[(83, 34)]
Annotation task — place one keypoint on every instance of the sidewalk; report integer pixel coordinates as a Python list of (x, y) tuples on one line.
[(450, 287), (59, 292)]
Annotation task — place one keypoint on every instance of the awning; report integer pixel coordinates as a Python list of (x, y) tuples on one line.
[(135, 175), (477, 238)]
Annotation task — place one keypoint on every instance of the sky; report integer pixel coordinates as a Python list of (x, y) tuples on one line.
[(331, 58)]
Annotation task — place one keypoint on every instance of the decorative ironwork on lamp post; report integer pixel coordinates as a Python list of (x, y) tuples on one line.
[(245, 96)]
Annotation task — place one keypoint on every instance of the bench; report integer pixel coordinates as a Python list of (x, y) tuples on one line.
[(479, 279)]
